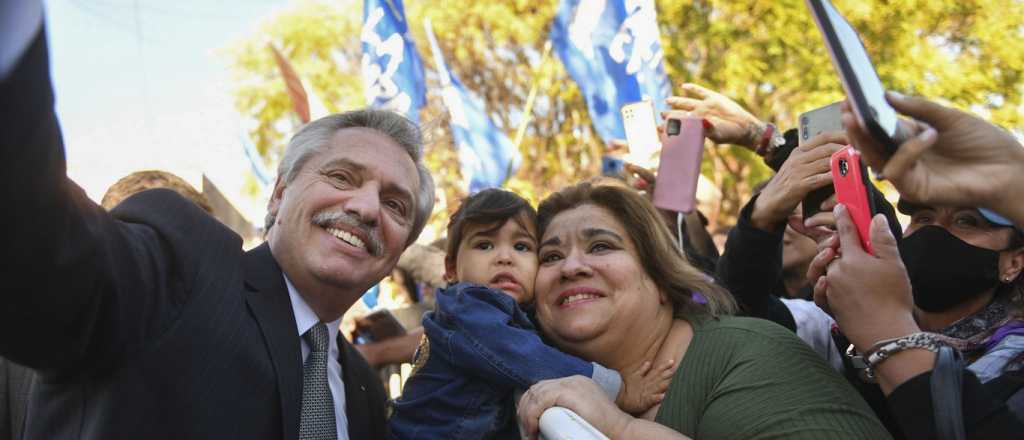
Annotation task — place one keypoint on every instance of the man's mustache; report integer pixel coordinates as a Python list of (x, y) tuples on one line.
[(326, 219)]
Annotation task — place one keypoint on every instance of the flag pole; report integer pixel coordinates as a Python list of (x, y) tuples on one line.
[(435, 51), (528, 109)]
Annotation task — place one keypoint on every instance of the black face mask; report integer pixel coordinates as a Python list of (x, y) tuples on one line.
[(944, 270)]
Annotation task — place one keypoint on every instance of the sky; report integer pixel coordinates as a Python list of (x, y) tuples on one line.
[(140, 85)]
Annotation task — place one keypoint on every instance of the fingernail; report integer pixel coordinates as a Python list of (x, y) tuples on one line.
[(879, 219), (640, 184), (707, 124), (896, 95), (840, 208), (927, 135)]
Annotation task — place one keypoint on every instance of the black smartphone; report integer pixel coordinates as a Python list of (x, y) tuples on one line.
[(860, 80), (377, 326)]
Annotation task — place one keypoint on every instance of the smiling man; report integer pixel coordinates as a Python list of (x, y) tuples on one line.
[(151, 322)]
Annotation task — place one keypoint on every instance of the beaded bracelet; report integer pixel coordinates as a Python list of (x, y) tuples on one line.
[(884, 349)]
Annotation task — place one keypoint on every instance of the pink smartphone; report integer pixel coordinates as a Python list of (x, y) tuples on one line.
[(681, 153), (850, 177)]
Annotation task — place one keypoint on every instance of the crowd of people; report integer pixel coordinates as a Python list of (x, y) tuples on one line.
[(144, 318)]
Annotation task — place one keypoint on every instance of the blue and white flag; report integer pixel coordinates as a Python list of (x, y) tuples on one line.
[(486, 155), (392, 69), (259, 170), (612, 49)]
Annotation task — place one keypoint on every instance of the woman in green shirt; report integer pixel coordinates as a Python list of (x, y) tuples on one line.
[(622, 296)]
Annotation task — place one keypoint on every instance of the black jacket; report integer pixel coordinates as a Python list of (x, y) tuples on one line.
[(148, 322)]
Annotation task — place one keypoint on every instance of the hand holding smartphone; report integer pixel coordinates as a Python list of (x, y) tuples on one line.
[(812, 123), (377, 326), (681, 153), (850, 179)]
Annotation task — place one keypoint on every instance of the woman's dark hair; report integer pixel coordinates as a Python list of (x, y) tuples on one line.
[(488, 207), (657, 250), (1017, 239)]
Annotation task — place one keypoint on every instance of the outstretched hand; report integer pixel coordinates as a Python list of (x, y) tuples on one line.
[(946, 157), (726, 121)]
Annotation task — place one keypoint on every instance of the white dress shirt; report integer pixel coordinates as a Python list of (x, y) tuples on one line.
[(814, 326), (305, 319)]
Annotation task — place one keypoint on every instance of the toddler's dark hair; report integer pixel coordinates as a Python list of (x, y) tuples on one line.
[(488, 207)]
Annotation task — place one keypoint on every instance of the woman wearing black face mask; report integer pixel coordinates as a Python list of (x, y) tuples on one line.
[(957, 276), (962, 264), (965, 269)]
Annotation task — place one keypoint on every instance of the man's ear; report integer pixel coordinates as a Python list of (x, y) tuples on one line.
[(450, 272), (274, 204)]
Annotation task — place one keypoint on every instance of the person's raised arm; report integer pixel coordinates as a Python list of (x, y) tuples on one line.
[(869, 295), (947, 157), (485, 343), (488, 343), (726, 122), (752, 262), (82, 287), (20, 21)]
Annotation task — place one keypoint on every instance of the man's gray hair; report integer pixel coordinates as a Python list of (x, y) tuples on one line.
[(315, 137)]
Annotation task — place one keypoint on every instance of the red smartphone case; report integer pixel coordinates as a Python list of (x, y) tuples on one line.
[(679, 166), (850, 177)]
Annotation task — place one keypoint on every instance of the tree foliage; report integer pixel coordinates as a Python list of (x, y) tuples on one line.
[(767, 55)]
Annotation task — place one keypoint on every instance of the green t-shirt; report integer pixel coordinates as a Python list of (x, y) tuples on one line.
[(746, 378)]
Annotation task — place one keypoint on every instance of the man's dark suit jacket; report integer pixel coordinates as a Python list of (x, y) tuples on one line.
[(15, 383), (149, 322)]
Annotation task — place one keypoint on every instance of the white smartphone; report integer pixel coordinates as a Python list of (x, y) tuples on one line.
[(820, 120), (641, 126), (813, 123), (861, 82)]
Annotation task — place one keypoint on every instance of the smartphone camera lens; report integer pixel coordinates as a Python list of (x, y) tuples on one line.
[(843, 167), (672, 127)]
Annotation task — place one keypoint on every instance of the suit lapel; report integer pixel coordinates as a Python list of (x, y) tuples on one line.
[(357, 403), (267, 297)]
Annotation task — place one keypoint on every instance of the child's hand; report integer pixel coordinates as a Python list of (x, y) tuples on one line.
[(645, 387)]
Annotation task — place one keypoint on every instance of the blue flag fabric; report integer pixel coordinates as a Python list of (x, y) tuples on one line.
[(486, 156), (612, 49), (391, 66), (259, 170)]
